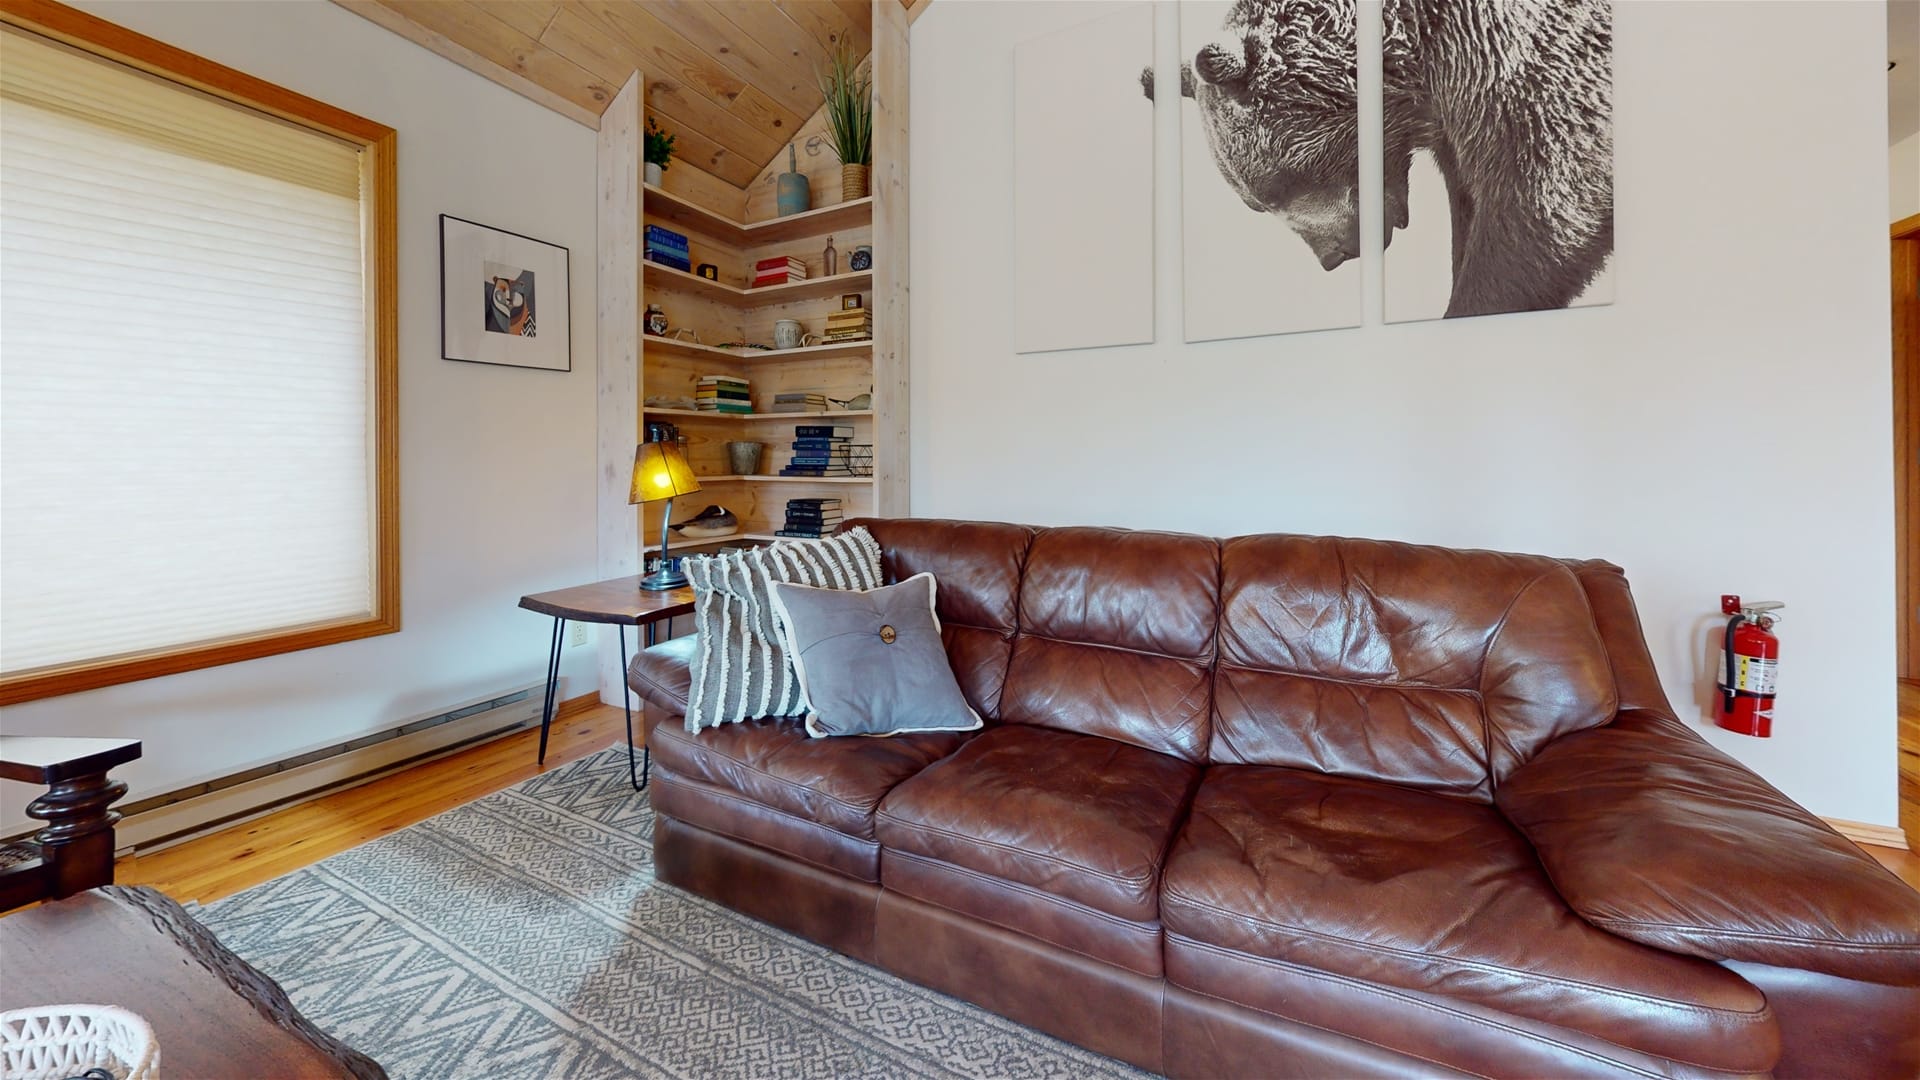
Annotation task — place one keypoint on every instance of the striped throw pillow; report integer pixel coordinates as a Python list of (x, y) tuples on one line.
[(741, 670)]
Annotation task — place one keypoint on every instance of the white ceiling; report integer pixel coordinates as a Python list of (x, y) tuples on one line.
[(1903, 82)]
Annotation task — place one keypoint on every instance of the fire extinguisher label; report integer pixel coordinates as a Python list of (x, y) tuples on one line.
[(1756, 676)]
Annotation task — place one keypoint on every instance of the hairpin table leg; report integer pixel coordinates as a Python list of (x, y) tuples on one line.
[(636, 772), (553, 684)]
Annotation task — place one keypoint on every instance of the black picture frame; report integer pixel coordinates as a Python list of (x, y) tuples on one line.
[(503, 326)]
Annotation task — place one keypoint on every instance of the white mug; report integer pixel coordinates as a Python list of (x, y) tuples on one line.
[(786, 334)]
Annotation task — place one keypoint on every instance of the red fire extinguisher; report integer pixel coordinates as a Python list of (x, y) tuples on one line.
[(1749, 663)]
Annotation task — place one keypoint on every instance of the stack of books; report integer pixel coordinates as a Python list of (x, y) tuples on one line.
[(799, 402), (723, 394), (853, 324), (811, 518), (668, 248), (778, 271), (820, 450)]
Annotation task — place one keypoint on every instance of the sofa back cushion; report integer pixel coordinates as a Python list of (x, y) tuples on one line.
[(1422, 666), (978, 566), (1116, 637)]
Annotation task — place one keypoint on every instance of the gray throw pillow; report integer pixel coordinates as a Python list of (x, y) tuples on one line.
[(740, 667), (871, 663)]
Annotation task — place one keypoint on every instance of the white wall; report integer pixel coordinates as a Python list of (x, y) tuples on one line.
[(1903, 178), (1724, 426), (496, 464)]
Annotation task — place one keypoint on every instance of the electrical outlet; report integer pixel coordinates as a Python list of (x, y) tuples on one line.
[(578, 635)]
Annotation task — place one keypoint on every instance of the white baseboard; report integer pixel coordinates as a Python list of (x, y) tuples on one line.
[(358, 762), (1861, 833)]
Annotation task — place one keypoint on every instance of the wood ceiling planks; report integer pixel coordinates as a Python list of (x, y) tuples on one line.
[(733, 80)]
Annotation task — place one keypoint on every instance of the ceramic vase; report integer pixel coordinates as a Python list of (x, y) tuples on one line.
[(744, 457), (655, 174), (790, 188)]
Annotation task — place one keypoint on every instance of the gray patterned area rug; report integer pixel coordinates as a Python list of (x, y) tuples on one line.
[(524, 935)]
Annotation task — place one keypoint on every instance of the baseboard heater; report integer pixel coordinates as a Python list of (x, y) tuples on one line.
[(163, 820)]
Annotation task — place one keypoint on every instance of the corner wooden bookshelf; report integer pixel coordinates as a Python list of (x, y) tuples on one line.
[(725, 311)]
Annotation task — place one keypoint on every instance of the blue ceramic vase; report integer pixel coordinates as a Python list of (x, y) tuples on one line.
[(791, 188)]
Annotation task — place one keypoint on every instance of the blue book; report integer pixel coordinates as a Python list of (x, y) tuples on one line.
[(656, 234)]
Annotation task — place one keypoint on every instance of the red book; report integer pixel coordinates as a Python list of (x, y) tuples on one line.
[(783, 262)]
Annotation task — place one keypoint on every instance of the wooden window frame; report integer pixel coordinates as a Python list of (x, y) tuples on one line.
[(379, 205)]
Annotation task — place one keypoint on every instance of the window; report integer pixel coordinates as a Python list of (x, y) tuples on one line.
[(197, 403)]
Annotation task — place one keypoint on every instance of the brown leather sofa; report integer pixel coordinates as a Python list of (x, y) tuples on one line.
[(1300, 806)]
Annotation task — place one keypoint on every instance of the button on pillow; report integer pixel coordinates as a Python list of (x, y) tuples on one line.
[(871, 663)]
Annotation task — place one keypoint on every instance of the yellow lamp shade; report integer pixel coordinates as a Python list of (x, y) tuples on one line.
[(660, 472)]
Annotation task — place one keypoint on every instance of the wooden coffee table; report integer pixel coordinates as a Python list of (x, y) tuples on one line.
[(213, 1015)]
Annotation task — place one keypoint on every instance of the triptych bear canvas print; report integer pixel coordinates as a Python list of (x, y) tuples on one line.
[(1497, 165)]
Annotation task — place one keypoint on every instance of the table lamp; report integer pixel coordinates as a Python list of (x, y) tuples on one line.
[(660, 471)]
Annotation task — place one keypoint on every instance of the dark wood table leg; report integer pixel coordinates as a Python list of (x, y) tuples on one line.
[(553, 684), (76, 847)]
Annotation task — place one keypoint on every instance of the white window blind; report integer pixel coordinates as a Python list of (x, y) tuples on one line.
[(186, 449)]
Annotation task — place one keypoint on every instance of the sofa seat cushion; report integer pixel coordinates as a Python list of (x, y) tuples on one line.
[(832, 782), (1077, 816), (663, 674), (1407, 889)]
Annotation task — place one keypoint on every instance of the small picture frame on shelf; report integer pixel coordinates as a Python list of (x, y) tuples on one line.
[(850, 301), (504, 298)]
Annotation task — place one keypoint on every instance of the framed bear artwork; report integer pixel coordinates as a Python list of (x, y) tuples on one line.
[(1498, 192), (1270, 167)]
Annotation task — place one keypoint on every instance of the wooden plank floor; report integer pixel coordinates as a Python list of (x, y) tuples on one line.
[(225, 862)]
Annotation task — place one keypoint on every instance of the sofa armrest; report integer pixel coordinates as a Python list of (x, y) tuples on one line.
[(663, 675), (1650, 833)]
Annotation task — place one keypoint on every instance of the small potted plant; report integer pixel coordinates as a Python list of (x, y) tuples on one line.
[(849, 94), (658, 152)]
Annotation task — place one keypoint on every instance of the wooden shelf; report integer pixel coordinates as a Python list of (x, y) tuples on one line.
[(682, 544), (786, 479), (840, 217), (665, 277), (749, 417), (689, 348)]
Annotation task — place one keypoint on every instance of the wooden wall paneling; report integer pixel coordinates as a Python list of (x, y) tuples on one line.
[(715, 322), (617, 335), (1906, 424), (689, 181), (838, 377), (482, 33), (442, 45), (756, 41), (675, 374), (830, 25), (812, 251), (757, 323), (730, 261), (817, 162), (530, 17), (890, 279)]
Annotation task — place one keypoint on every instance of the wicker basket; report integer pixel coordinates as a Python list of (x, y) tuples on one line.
[(853, 182), (53, 1042)]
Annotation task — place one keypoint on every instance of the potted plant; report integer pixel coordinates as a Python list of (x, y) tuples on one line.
[(658, 152), (849, 106)]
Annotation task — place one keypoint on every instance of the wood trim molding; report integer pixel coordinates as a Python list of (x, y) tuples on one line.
[(445, 47), (917, 9), (892, 336), (574, 706), (1907, 228), (88, 33), (1862, 833), (618, 175)]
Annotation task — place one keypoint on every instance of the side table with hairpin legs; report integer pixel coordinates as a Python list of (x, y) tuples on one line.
[(619, 602)]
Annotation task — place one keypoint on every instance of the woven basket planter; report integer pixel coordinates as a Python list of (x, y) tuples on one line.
[(853, 182), (56, 1041)]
